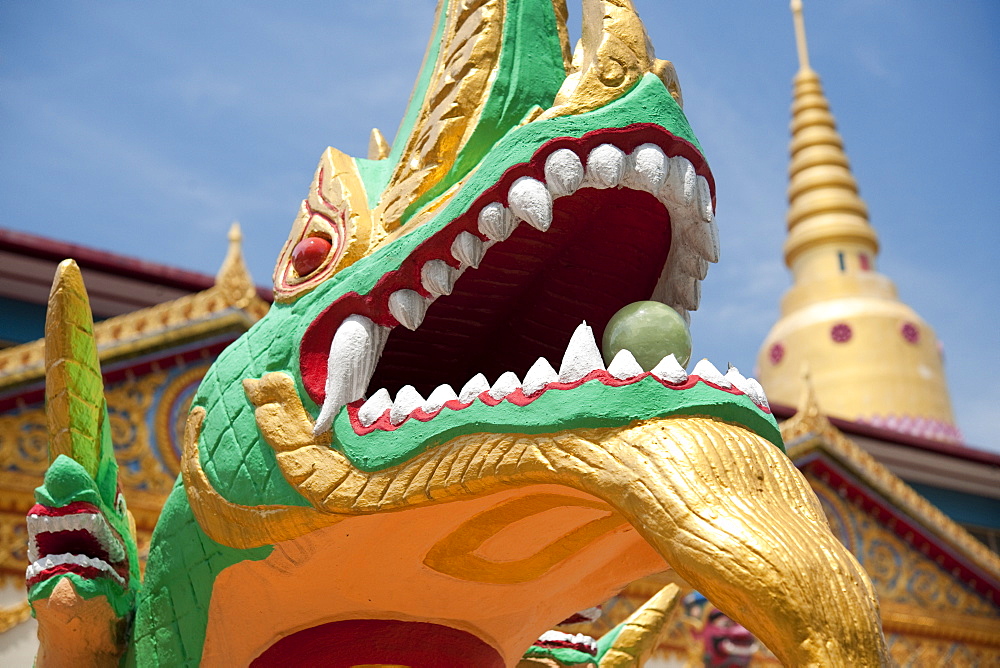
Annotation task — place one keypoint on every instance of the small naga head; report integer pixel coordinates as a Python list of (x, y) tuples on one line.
[(724, 643), (423, 435), (81, 537)]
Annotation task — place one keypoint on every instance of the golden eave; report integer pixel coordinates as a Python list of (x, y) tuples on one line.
[(231, 303), (809, 430)]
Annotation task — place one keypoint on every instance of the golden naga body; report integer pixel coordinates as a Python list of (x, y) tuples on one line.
[(720, 505)]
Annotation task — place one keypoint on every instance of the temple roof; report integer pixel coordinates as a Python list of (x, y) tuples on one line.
[(823, 453), (229, 301)]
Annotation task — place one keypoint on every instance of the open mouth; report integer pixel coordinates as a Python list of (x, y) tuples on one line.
[(379, 642), (575, 641), (584, 228), (74, 539), (737, 646)]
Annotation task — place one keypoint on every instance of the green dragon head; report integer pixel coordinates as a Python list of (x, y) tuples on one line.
[(518, 203), (338, 475)]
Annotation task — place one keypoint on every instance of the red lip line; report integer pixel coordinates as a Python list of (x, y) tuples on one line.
[(88, 572), (518, 398), (75, 508), (579, 647), (315, 346)]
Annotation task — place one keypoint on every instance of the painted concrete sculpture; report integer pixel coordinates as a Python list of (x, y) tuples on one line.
[(528, 192), (723, 643)]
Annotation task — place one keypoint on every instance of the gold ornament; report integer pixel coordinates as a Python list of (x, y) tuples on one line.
[(722, 506)]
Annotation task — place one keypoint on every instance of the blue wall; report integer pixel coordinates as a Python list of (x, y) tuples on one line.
[(21, 322), (962, 507)]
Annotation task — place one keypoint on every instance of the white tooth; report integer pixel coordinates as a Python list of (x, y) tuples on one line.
[(539, 375), (48, 562), (506, 383), (32, 549), (441, 395), (530, 201), (704, 195), (704, 239), (648, 168), (563, 172), (29, 572), (437, 277), (117, 554), (496, 221), (407, 401), (553, 635), (468, 249), (375, 407), (756, 392), (605, 166), (681, 181), (624, 366), (581, 357), (736, 378), (691, 263), (354, 352), (681, 218), (688, 292), (476, 386), (408, 307), (670, 370), (707, 371)]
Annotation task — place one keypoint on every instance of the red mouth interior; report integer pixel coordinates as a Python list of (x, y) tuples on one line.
[(605, 249), (361, 642), (77, 541)]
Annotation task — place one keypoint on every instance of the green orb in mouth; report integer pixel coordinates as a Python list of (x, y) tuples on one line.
[(650, 331)]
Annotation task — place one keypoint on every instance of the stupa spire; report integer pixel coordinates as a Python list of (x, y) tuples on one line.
[(800, 35), (824, 205), (872, 358)]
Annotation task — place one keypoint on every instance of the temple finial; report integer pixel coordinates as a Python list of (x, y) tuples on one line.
[(800, 36), (808, 405), (233, 277)]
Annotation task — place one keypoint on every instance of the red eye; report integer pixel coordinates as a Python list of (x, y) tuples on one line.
[(309, 254)]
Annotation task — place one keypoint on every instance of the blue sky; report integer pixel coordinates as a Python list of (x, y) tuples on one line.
[(146, 128)]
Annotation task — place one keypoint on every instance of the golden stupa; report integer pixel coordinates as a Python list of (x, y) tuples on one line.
[(870, 357)]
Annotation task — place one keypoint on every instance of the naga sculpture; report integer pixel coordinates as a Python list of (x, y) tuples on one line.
[(528, 194)]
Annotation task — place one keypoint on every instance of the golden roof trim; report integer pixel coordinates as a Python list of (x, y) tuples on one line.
[(810, 430), (14, 615), (915, 621), (162, 324)]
